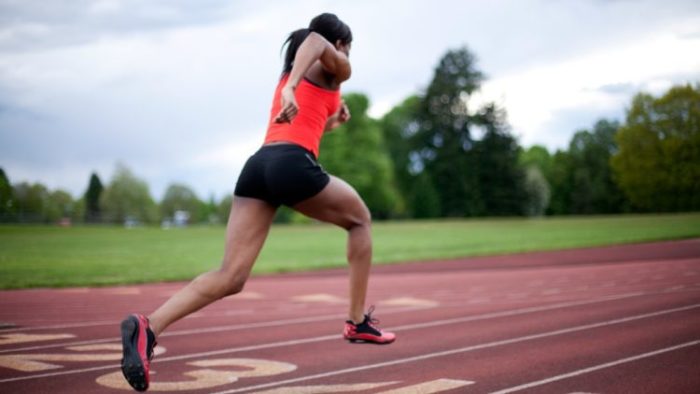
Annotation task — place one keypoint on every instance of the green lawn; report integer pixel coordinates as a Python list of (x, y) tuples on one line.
[(42, 256)]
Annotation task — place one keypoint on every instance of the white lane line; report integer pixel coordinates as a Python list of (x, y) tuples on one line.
[(235, 327), (434, 323), (334, 336), (60, 326), (596, 368), (276, 323), (462, 350)]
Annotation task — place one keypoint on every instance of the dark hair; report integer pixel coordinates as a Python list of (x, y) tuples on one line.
[(327, 25)]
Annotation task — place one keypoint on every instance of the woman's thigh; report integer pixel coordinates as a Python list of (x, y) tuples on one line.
[(248, 225), (337, 203)]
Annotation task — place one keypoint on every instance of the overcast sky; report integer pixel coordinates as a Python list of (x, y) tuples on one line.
[(179, 91)]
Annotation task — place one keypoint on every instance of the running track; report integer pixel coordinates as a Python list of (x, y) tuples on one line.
[(623, 319)]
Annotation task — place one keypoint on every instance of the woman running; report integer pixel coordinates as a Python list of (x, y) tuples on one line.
[(283, 172)]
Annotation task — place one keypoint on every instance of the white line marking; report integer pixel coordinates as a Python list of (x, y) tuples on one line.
[(59, 326), (235, 327), (335, 336), (462, 350), (595, 368)]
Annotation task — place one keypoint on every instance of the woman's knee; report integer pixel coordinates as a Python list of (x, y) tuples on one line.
[(228, 283), (359, 217)]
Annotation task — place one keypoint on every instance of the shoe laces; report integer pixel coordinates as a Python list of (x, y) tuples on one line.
[(151, 351), (371, 320)]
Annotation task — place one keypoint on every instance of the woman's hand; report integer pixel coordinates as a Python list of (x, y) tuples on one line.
[(289, 108), (340, 117), (344, 113)]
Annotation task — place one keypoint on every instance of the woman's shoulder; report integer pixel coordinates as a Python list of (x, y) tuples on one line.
[(319, 77)]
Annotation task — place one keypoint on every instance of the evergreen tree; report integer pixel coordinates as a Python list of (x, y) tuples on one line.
[(92, 199), (444, 144), (500, 177), (471, 177), (7, 200)]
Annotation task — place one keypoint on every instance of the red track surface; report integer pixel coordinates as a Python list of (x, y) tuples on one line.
[(619, 319)]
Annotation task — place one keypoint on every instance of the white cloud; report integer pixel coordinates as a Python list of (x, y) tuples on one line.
[(180, 91), (533, 96)]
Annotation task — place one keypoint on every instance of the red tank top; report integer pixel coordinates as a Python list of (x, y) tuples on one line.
[(316, 105)]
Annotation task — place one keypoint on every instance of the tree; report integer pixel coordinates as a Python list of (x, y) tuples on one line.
[(92, 199), (425, 200), (593, 188), (581, 179), (59, 205), (658, 162), (180, 197), (7, 199), (78, 214), (537, 156), (224, 208), (399, 126), (471, 177), (32, 201), (127, 197), (561, 183), (537, 192), (538, 166), (356, 153), (499, 175), (208, 211), (443, 144)]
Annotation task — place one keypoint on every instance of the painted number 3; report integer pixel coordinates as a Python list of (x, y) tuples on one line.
[(206, 377), (204, 374)]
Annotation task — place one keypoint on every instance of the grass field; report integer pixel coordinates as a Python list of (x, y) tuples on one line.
[(42, 256)]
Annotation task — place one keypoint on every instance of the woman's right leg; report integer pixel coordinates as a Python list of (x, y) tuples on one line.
[(339, 203), (247, 229)]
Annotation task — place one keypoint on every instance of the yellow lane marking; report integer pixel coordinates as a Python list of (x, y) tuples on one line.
[(322, 298), (431, 387), (322, 389), (409, 301), (11, 339), (36, 362), (207, 378)]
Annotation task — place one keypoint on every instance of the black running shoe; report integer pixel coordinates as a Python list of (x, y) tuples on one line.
[(138, 342), (367, 331)]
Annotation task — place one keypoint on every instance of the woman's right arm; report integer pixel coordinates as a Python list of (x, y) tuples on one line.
[(314, 47)]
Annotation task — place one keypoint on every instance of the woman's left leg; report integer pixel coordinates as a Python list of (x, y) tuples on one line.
[(247, 229)]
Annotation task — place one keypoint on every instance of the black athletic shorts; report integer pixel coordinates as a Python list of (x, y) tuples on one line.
[(281, 174)]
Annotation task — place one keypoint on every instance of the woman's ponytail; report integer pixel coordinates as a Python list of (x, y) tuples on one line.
[(293, 43)]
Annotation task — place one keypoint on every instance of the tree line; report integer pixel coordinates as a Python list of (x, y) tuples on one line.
[(433, 155), (126, 198)]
